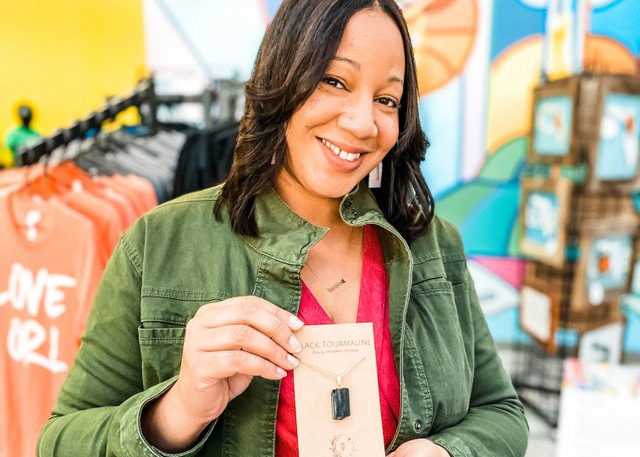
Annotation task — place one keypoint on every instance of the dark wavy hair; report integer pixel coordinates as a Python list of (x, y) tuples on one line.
[(297, 49)]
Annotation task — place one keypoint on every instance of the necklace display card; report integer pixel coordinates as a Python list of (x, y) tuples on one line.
[(329, 352)]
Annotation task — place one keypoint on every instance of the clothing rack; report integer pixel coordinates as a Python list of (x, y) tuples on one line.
[(225, 93), (145, 98), (144, 93)]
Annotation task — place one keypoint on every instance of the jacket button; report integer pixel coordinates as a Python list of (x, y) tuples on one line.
[(349, 202), (354, 213), (417, 426)]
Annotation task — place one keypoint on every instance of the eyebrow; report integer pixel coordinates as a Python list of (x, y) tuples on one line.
[(349, 61), (391, 79)]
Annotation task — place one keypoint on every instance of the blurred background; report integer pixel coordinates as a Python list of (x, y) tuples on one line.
[(516, 100)]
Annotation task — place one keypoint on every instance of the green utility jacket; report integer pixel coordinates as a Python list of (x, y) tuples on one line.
[(176, 258)]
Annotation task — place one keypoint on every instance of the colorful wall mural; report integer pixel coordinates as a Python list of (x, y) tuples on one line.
[(485, 207), (479, 61)]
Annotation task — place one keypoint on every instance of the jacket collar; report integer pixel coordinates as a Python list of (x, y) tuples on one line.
[(287, 237)]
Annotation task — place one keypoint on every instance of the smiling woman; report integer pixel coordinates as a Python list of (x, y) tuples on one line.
[(293, 67), (190, 345), (342, 131), (350, 122)]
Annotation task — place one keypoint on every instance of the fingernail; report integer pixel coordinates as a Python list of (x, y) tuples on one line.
[(292, 360), (281, 372), (295, 322), (295, 344)]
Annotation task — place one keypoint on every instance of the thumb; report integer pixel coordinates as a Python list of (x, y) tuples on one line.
[(238, 383)]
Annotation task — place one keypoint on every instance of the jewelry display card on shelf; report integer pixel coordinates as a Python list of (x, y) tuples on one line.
[(336, 391), (599, 410)]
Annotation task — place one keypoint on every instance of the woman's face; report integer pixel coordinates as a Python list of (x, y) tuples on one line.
[(350, 122)]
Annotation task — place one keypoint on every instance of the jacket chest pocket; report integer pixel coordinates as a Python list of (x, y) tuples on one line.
[(161, 353), (434, 323), (161, 336)]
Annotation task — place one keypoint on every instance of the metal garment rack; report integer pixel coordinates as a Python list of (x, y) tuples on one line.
[(225, 94), (147, 101), (143, 94)]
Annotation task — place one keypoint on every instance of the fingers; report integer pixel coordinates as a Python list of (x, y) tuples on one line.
[(419, 447), (250, 303), (228, 343), (254, 312), (242, 362), (241, 337)]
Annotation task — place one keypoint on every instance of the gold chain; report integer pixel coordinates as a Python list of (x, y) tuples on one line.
[(338, 378), (334, 286)]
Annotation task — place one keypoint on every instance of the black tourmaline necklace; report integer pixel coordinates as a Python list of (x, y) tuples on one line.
[(340, 405)]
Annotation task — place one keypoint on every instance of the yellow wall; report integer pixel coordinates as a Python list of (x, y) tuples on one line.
[(66, 56)]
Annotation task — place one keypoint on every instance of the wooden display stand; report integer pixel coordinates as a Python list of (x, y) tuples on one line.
[(579, 215)]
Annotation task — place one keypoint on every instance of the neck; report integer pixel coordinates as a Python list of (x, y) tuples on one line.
[(318, 210)]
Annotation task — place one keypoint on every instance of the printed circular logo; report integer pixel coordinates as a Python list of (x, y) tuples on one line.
[(341, 446)]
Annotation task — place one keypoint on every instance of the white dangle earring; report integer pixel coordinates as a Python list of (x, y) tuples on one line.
[(375, 176), (273, 159)]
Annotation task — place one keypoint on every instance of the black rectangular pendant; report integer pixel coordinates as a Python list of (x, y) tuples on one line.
[(340, 407)]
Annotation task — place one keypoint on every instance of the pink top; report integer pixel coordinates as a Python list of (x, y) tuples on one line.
[(372, 307)]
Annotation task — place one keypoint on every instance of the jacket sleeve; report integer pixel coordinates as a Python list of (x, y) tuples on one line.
[(495, 424), (100, 403)]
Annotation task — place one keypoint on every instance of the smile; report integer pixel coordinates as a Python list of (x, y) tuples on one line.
[(348, 156)]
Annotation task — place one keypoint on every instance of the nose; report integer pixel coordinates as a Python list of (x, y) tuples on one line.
[(358, 118)]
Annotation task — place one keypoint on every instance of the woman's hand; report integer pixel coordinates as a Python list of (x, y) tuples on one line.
[(419, 448), (226, 344)]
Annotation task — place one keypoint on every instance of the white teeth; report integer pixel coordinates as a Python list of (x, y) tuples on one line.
[(340, 153)]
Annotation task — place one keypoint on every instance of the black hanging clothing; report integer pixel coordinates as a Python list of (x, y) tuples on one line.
[(206, 158)]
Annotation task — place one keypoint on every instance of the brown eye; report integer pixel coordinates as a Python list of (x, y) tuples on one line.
[(333, 81), (390, 102)]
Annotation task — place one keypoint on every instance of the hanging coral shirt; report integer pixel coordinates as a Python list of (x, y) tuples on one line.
[(49, 271), (372, 307)]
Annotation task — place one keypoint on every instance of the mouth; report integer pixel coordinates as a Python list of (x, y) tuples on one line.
[(349, 156)]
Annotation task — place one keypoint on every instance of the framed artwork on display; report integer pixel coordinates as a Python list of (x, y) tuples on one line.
[(540, 312), (614, 156), (602, 345), (605, 263), (618, 149), (635, 277), (553, 123), (545, 206), (552, 127), (635, 199)]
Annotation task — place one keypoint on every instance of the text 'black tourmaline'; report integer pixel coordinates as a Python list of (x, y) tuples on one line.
[(340, 407)]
